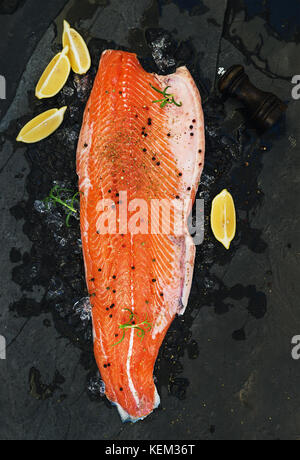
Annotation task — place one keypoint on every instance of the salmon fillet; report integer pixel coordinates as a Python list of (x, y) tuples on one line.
[(133, 153)]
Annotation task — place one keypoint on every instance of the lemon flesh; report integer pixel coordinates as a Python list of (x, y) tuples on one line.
[(79, 54), (55, 76), (42, 126), (223, 218)]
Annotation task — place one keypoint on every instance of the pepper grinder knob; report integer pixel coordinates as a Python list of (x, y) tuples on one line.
[(264, 108)]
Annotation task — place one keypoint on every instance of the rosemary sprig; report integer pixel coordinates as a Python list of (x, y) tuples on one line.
[(56, 198), (167, 99), (130, 324)]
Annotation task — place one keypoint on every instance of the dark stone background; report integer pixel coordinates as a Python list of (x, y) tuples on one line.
[(225, 370)]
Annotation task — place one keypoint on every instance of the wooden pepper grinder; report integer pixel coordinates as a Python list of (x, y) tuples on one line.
[(264, 108)]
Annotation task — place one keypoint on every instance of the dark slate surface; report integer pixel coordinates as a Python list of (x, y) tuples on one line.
[(225, 370)]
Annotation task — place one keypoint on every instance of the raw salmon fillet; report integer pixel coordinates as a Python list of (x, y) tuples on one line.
[(131, 149)]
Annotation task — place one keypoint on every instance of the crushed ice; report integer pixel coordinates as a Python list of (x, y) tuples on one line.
[(96, 387), (55, 288), (162, 48), (83, 309), (55, 213)]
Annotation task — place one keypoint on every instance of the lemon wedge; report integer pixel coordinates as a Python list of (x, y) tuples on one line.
[(55, 76), (223, 218), (78, 51), (42, 126)]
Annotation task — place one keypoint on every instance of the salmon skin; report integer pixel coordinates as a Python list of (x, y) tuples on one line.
[(134, 152)]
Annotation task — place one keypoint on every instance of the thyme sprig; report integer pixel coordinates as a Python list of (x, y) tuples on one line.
[(130, 324), (167, 99), (55, 197)]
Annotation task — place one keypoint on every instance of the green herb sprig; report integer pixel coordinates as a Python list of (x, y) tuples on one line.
[(140, 328), (167, 99), (55, 197)]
